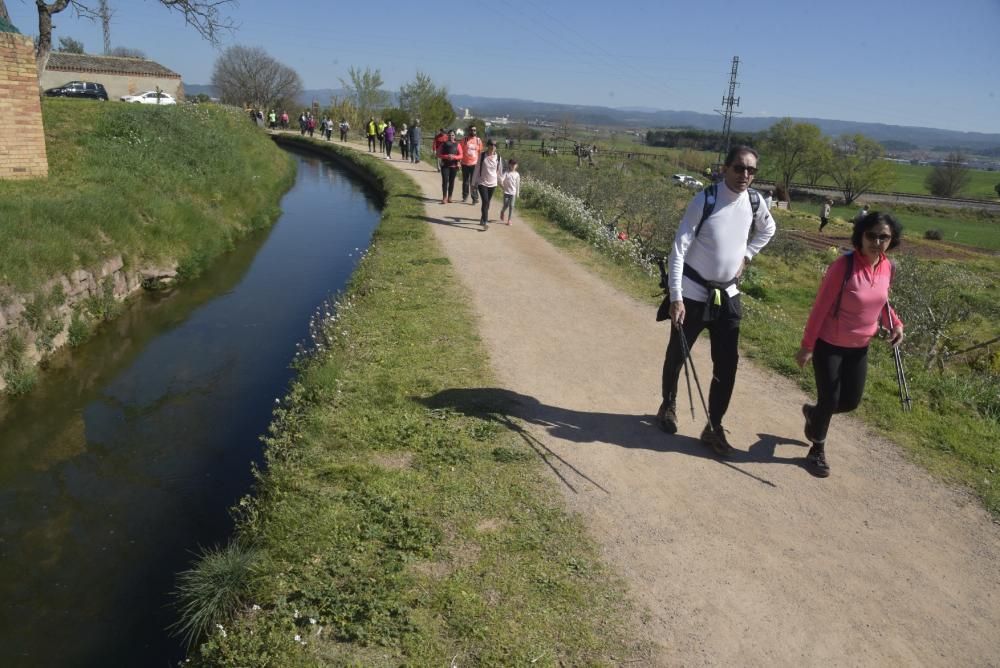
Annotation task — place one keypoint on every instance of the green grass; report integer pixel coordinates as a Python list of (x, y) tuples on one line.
[(953, 430), (402, 518), (911, 179), (964, 226), (154, 184)]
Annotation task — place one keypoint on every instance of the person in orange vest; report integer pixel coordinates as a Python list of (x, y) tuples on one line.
[(472, 146)]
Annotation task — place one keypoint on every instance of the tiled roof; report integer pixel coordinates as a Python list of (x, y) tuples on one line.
[(82, 62)]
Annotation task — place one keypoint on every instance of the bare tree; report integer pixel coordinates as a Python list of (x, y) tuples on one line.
[(3, 12), (249, 76), (949, 177), (205, 16)]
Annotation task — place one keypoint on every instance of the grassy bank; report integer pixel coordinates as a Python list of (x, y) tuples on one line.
[(401, 518), (153, 184), (954, 429)]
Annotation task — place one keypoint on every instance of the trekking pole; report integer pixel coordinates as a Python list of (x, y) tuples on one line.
[(686, 352), (665, 284), (897, 356), (687, 379)]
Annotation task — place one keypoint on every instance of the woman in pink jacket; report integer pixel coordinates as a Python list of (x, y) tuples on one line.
[(853, 301)]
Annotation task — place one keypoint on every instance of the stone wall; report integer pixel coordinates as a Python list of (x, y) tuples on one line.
[(22, 138), (111, 281), (117, 85)]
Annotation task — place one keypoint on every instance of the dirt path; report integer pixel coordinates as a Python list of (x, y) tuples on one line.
[(748, 562)]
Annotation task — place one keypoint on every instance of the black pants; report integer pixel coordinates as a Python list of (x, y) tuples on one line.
[(823, 223), (467, 188), (724, 334), (404, 152), (388, 148), (486, 195), (840, 383), (448, 174), (371, 143)]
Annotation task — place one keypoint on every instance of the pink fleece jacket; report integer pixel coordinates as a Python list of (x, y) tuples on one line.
[(864, 298)]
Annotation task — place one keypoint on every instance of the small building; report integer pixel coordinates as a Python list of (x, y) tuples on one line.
[(120, 76)]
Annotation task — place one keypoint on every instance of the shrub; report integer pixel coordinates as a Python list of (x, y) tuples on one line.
[(933, 234)]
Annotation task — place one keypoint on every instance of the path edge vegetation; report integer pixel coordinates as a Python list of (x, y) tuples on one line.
[(401, 517)]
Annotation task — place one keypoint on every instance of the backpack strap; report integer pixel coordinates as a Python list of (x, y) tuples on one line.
[(848, 267), (708, 207)]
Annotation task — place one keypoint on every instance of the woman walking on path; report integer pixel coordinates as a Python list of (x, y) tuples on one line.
[(472, 146), (449, 154), (487, 173), (853, 301), (824, 214), (389, 134), (415, 137), (404, 143), (511, 183)]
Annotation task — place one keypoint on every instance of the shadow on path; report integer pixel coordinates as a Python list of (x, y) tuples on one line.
[(511, 409)]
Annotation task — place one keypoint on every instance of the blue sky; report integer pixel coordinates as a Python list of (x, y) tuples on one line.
[(934, 64)]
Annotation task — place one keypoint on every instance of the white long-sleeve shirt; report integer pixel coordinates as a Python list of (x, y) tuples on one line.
[(512, 183), (721, 246)]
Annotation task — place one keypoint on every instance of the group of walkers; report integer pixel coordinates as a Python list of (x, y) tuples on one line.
[(385, 135), (483, 170), (724, 227)]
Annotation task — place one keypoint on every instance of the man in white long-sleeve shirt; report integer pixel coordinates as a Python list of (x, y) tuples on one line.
[(708, 257)]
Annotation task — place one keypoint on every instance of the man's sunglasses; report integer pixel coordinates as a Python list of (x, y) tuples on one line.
[(739, 169)]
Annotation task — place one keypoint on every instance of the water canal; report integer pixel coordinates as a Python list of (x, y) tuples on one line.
[(125, 459)]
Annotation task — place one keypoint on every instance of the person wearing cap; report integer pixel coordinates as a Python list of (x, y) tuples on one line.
[(486, 174), (472, 147)]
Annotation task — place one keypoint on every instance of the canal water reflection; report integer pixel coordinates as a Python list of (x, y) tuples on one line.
[(127, 456)]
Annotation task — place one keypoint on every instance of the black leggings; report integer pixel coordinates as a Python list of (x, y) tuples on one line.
[(724, 334), (448, 173), (840, 383), (486, 195), (388, 148)]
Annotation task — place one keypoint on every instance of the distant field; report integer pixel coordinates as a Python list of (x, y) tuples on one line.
[(968, 229), (910, 179)]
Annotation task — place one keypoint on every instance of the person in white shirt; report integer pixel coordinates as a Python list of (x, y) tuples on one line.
[(511, 189), (485, 177), (708, 257)]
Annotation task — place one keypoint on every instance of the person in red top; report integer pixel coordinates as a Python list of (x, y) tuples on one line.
[(450, 155), (847, 313), (472, 146), (440, 138)]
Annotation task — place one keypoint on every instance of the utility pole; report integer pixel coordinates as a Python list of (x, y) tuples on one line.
[(728, 102), (104, 11)]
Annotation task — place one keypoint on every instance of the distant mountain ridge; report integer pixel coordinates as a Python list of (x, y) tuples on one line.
[(644, 117)]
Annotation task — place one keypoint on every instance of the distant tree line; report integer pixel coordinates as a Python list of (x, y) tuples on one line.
[(701, 140)]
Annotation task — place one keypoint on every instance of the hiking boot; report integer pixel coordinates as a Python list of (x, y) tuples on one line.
[(666, 416), (807, 414), (715, 438), (816, 461)]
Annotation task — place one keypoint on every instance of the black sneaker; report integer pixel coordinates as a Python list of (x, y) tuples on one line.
[(666, 416), (715, 438), (807, 414), (816, 461)]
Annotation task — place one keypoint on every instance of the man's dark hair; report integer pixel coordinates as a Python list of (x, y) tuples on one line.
[(737, 150), (870, 221)]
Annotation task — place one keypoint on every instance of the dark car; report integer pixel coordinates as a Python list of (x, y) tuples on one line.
[(84, 89)]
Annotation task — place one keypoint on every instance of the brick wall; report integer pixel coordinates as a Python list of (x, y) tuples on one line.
[(22, 139)]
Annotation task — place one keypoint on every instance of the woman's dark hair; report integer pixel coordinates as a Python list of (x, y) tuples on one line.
[(870, 221), (735, 151)]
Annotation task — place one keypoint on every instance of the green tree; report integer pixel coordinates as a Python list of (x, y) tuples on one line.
[(949, 177), (997, 188), (789, 147), (818, 164), (366, 90), (69, 45), (857, 167), (421, 99)]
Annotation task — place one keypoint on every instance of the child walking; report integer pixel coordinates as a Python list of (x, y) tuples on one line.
[(511, 187)]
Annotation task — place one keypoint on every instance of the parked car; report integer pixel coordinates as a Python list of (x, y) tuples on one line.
[(150, 97), (688, 181), (83, 89)]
